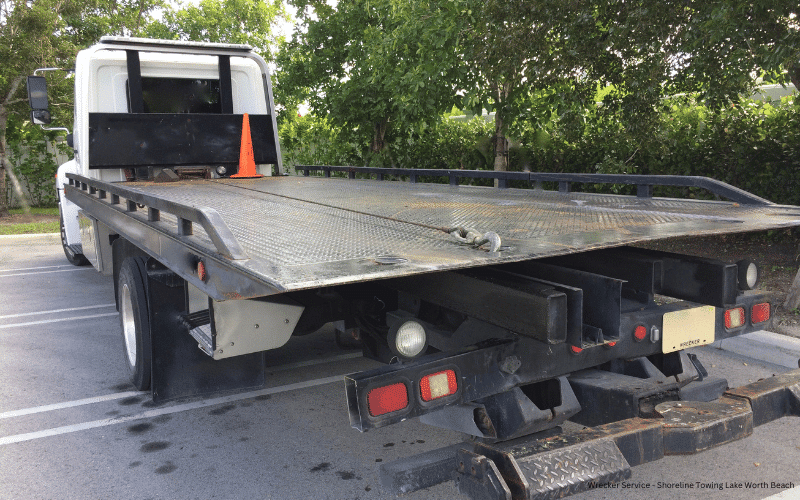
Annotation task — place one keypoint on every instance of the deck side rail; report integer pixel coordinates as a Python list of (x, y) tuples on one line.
[(644, 183), (209, 219)]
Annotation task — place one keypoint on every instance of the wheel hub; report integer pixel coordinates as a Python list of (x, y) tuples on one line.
[(128, 324)]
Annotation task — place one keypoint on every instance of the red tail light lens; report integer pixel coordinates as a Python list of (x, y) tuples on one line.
[(201, 270), (734, 318), (759, 313), (640, 333), (387, 399), (438, 385)]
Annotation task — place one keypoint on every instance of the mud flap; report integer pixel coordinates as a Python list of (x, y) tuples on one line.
[(180, 369)]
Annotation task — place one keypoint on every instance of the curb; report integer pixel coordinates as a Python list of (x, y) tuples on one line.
[(764, 346), (47, 238)]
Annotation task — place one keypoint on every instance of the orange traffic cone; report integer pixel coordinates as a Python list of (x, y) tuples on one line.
[(247, 163)]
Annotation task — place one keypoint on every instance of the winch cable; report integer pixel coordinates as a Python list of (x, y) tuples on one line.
[(467, 236)]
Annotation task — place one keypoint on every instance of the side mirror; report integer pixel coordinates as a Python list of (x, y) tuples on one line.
[(37, 97)]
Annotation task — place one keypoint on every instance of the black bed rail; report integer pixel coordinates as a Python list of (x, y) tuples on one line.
[(644, 183), (221, 236)]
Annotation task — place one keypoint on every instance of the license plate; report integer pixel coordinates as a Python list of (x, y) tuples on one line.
[(688, 328)]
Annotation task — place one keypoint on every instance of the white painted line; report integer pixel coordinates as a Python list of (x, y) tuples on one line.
[(32, 268), (48, 272), (74, 318), (53, 311), (792, 494), (70, 404), (120, 395), (68, 429)]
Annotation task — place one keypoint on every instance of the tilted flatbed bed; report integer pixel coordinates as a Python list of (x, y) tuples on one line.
[(292, 233)]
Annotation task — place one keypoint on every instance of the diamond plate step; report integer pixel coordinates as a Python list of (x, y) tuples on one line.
[(535, 473)]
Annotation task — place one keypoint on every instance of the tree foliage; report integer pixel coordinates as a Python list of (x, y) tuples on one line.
[(367, 64), (48, 33), (250, 22)]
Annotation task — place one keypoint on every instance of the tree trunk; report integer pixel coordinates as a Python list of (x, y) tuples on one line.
[(500, 139), (500, 144), (379, 136), (793, 297), (3, 164), (794, 75)]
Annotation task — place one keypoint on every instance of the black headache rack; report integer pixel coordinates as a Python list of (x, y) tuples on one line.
[(644, 183), (154, 138)]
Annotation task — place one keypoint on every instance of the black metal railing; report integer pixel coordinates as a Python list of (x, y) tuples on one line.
[(212, 223), (644, 183)]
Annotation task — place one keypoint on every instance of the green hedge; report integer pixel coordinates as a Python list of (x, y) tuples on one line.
[(751, 145)]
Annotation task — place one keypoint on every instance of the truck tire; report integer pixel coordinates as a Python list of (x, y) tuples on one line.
[(74, 258), (135, 320)]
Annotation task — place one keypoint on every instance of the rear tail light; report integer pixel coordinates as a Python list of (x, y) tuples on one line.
[(734, 318), (201, 270), (640, 333), (387, 399), (760, 313), (438, 385), (575, 349)]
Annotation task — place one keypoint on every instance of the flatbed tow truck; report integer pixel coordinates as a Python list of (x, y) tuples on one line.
[(498, 312)]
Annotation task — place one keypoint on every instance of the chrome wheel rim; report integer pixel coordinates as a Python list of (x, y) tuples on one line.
[(128, 324)]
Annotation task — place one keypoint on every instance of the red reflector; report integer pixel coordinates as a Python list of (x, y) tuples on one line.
[(640, 333), (201, 271), (576, 349), (611, 344), (760, 313), (387, 399), (438, 385), (734, 318)]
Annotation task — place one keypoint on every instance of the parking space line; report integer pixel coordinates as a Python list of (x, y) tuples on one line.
[(74, 318), (47, 272), (70, 404), (120, 395), (53, 311), (33, 268), (68, 429)]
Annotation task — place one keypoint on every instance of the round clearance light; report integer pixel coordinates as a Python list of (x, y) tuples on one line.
[(748, 274), (410, 339), (640, 333)]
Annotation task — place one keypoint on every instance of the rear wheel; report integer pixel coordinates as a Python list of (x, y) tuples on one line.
[(74, 258), (135, 321)]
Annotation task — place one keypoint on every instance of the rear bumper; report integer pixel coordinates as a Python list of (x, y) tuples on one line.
[(500, 366)]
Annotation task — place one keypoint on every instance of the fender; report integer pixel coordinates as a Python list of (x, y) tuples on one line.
[(67, 209)]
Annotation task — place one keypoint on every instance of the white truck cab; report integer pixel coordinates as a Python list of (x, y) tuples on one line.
[(134, 76)]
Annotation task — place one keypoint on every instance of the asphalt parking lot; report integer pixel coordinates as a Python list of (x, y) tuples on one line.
[(71, 426)]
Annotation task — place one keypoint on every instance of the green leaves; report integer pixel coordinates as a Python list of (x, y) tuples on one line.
[(250, 22)]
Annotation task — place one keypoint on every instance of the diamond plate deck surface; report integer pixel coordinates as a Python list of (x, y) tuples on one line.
[(301, 243)]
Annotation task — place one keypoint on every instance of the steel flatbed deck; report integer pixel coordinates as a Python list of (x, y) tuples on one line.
[(288, 233)]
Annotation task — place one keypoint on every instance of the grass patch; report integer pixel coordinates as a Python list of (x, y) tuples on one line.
[(36, 211), (30, 228)]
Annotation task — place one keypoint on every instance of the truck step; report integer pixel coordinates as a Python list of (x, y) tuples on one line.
[(530, 473)]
